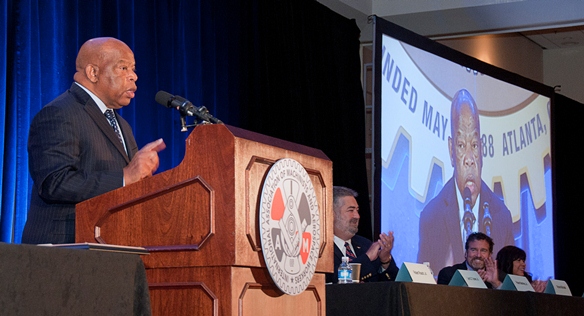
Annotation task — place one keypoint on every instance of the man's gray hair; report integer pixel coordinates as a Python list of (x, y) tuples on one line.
[(339, 192)]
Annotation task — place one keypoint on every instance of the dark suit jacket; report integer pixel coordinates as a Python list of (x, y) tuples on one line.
[(369, 269), (447, 273), (440, 237), (74, 154)]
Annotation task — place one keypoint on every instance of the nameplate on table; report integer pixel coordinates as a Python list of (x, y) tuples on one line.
[(101, 247), (558, 287), (467, 278), (517, 283), (415, 272)]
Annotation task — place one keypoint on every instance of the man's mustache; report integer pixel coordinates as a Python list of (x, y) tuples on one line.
[(478, 258)]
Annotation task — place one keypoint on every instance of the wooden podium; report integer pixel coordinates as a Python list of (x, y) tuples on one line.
[(199, 221)]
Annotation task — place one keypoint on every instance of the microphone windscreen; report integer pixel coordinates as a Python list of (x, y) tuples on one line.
[(466, 194), (163, 98)]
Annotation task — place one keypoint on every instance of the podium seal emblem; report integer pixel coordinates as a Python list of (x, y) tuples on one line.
[(289, 226)]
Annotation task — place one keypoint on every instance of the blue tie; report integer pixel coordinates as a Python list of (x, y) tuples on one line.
[(111, 117)]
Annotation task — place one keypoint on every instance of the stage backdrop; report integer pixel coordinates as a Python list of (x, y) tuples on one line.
[(287, 69)]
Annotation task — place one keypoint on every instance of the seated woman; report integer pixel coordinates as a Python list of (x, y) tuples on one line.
[(511, 260)]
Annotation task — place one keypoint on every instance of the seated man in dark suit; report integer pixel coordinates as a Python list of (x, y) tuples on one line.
[(375, 258), (478, 251)]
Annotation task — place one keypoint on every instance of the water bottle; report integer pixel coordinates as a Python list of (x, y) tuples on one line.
[(345, 271)]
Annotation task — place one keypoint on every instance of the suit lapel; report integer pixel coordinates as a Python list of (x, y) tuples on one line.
[(100, 120), (131, 145), (358, 247), (484, 199), (338, 253), (453, 220)]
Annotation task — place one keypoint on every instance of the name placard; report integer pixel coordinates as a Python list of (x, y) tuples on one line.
[(467, 278), (516, 283), (415, 272), (558, 287)]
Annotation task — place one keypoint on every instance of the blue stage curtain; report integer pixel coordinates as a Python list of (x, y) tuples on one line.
[(288, 69)]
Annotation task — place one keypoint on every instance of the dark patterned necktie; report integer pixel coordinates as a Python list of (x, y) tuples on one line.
[(109, 113), (349, 252)]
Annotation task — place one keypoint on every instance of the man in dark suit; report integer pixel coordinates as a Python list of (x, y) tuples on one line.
[(75, 152), (375, 258), (478, 257), (465, 203)]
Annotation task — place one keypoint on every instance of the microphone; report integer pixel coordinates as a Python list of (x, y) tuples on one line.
[(487, 219), (466, 196), (185, 107), (468, 219)]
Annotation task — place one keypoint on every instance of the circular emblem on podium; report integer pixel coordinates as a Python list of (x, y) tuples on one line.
[(289, 226)]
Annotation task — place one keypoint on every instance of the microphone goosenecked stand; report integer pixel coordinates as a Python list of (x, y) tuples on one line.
[(183, 120), (184, 126)]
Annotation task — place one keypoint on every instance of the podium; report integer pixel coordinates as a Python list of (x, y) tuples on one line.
[(199, 222)]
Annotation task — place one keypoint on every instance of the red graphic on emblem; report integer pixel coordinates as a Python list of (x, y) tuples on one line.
[(305, 247), (278, 206)]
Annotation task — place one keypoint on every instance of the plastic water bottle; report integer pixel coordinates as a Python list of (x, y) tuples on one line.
[(345, 271)]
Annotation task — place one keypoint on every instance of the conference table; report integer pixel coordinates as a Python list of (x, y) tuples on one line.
[(36, 280), (407, 298)]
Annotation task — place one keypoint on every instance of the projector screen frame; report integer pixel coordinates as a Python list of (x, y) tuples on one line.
[(382, 27)]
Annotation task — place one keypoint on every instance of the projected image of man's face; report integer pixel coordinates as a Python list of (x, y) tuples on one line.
[(465, 147)]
